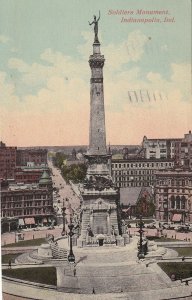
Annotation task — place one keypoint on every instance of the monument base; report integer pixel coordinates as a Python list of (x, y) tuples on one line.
[(120, 241), (126, 238), (45, 251), (81, 242), (103, 240)]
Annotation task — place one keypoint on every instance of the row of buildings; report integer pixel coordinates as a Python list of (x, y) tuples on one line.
[(11, 157), (178, 149), (26, 188), (161, 168), (173, 195)]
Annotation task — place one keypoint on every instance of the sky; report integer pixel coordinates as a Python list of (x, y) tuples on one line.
[(45, 75)]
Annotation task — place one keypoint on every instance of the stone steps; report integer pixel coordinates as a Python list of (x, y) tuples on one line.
[(58, 253), (104, 279), (106, 258), (25, 258)]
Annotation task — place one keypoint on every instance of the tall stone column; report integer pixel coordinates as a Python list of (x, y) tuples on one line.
[(98, 188), (97, 135)]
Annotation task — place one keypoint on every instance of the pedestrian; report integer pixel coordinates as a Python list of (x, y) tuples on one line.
[(9, 263), (183, 258), (93, 291), (186, 282), (74, 271)]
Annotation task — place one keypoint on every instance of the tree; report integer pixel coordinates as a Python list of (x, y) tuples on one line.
[(145, 207), (59, 159), (74, 172)]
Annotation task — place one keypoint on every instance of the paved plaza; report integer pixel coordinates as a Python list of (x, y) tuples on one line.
[(103, 273)]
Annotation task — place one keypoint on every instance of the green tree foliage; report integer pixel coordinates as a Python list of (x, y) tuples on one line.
[(76, 173), (145, 207), (59, 159)]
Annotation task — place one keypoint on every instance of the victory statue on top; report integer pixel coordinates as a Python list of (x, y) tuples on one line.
[(95, 22)]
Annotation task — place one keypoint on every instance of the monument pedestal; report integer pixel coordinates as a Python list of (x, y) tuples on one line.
[(126, 238), (120, 241), (45, 251), (81, 242)]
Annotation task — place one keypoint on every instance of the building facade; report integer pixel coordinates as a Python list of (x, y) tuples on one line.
[(29, 174), (30, 204), (36, 156), (159, 148), (137, 172), (7, 162), (173, 195), (183, 151)]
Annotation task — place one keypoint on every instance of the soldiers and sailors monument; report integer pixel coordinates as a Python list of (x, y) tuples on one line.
[(100, 210)]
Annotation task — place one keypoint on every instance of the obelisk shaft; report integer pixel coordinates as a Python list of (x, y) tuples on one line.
[(97, 135)]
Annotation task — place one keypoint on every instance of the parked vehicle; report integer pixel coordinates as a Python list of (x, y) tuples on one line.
[(165, 226), (36, 229), (151, 226), (51, 227), (183, 229)]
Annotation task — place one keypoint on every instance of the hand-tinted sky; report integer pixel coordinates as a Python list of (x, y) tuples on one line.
[(44, 72)]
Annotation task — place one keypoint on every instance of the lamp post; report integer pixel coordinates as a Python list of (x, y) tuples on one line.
[(71, 256), (64, 214), (140, 252), (166, 210)]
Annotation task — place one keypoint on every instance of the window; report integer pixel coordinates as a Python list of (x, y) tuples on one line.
[(177, 202)]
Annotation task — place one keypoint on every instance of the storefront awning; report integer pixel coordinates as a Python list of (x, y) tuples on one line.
[(29, 221), (177, 218), (21, 222)]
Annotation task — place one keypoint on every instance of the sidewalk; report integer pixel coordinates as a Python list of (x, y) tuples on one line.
[(29, 292)]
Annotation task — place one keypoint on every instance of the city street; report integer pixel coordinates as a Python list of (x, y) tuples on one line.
[(65, 190), (166, 233), (9, 237)]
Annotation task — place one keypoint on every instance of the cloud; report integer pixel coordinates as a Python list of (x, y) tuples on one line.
[(53, 64), (8, 95), (4, 39), (119, 54), (53, 107)]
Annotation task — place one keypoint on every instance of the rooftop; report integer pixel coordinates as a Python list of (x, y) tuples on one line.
[(130, 195), (139, 159), (22, 186), (178, 171), (45, 178)]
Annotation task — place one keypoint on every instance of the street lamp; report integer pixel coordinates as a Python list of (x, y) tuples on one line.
[(64, 214), (140, 252), (71, 256), (166, 209)]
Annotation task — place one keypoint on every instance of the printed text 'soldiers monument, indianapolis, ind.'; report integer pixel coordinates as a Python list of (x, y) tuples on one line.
[(100, 220)]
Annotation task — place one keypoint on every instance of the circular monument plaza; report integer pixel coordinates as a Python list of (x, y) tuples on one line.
[(101, 272)]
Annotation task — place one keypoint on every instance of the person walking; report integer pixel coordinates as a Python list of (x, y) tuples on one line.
[(9, 264)]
